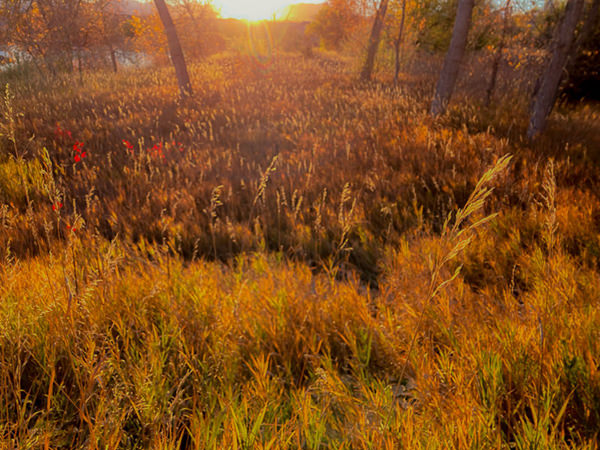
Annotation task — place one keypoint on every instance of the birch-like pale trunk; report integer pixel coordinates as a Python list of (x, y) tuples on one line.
[(550, 80), (175, 51), (456, 51), (374, 39)]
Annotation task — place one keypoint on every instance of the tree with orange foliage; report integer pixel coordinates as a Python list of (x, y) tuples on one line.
[(195, 22), (149, 37), (55, 33), (335, 22)]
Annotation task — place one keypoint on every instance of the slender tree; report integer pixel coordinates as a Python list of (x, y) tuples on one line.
[(111, 35), (549, 82), (593, 16), (591, 20), (398, 42), (183, 78), (458, 43), (335, 23), (374, 39), (498, 55)]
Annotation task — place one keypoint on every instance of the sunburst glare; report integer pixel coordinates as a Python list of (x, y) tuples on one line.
[(252, 10)]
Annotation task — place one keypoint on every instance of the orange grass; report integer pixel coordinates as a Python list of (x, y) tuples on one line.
[(273, 264)]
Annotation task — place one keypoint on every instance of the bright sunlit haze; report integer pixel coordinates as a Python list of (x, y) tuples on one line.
[(252, 10)]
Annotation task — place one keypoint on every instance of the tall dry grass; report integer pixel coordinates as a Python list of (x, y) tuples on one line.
[(293, 260)]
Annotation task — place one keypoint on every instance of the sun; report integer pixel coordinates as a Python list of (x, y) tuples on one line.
[(253, 10)]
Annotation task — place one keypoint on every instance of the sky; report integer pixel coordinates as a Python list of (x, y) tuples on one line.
[(254, 9)]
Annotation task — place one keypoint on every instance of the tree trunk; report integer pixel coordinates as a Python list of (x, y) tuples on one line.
[(588, 27), (80, 66), (113, 59), (458, 43), (591, 21), (494, 76), (397, 43), (498, 56), (183, 78), (374, 39), (550, 79)]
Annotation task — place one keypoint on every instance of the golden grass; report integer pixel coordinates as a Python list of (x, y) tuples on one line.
[(274, 264)]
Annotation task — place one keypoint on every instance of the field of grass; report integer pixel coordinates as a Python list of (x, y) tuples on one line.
[(292, 259)]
